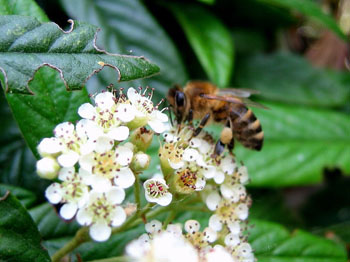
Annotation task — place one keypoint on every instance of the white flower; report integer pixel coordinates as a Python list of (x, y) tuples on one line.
[(164, 247), (227, 212), (232, 191), (153, 227), (218, 253), (106, 118), (156, 191), (102, 211), (146, 112), (192, 226), (72, 192), (101, 169)]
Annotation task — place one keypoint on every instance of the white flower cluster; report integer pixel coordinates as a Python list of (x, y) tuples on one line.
[(172, 244), (189, 164), (93, 161)]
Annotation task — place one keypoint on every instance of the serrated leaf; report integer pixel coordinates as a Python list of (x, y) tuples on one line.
[(27, 45), (300, 142), (312, 10), (20, 239), (23, 7), (128, 27), (274, 243), (289, 78), (210, 40), (38, 114), (26, 197)]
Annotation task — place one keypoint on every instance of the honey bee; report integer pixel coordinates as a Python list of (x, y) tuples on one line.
[(203, 100)]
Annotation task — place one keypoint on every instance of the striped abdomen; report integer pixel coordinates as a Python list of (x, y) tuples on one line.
[(246, 127)]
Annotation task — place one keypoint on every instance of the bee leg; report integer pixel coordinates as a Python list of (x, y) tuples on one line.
[(190, 117), (219, 148), (230, 146), (202, 124)]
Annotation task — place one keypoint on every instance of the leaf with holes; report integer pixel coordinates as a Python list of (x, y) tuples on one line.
[(128, 27), (299, 143), (20, 239), (286, 77), (26, 45), (23, 7), (210, 40)]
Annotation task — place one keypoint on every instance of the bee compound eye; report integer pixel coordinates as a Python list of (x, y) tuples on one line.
[(179, 98)]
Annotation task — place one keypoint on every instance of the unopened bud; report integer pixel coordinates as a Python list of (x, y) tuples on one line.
[(140, 162), (47, 168), (142, 138)]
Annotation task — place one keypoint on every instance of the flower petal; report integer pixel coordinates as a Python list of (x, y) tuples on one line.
[(125, 112), (87, 111), (219, 177), (104, 144), (116, 195), (54, 193), (157, 126), (214, 223), (100, 184), (119, 133), (49, 146), (105, 100), (84, 218), (68, 159), (123, 155), (66, 173), (64, 129), (133, 95), (119, 216), (213, 201), (190, 154), (124, 178), (100, 231), (68, 210), (165, 199)]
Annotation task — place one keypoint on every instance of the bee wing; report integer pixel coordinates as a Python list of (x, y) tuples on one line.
[(249, 102), (239, 92), (234, 100)]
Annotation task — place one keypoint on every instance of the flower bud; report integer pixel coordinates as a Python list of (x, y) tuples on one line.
[(140, 162), (142, 138), (47, 168)]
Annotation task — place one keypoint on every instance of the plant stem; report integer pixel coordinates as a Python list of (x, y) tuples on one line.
[(170, 217), (137, 193), (80, 237)]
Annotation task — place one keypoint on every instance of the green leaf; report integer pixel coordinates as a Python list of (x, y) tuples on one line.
[(50, 225), (209, 2), (17, 163), (26, 197), (289, 78), (210, 40), (27, 45), (20, 239), (312, 10), (128, 27), (23, 7), (38, 114), (274, 243), (299, 143)]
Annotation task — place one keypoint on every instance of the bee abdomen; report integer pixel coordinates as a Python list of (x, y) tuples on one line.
[(247, 128)]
